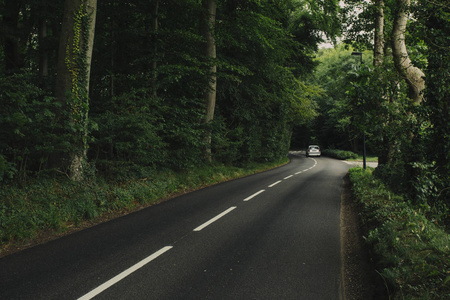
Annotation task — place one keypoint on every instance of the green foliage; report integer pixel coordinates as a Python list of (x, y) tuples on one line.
[(412, 253), (259, 102), (435, 27), (7, 169), (27, 126), (60, 204), (146, 90), (339, 154), (342, 111), (410, 141)]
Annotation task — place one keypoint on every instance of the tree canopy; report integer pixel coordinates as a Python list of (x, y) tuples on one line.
[(395, 97)]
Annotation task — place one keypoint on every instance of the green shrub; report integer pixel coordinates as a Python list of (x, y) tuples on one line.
[(412, 253), (339, 154)]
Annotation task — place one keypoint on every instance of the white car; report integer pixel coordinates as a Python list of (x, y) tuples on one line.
[(313, 150)]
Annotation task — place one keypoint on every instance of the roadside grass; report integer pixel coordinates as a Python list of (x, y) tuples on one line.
[(57, 205), (411, 253)]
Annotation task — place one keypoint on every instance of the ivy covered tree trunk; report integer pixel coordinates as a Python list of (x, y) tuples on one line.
[(209, 10), (72, 82)]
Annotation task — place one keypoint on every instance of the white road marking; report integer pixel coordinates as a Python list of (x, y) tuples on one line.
[(315, 164), (254, 195), (214, 219), (124, 274), (275, 183), (288, 177)]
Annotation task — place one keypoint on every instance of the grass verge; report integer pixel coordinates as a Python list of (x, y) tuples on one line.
[(54, 207), (411, 252)]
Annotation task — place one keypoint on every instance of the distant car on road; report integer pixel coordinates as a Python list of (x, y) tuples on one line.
[(313, 150)]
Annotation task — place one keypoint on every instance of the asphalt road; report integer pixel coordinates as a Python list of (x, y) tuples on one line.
[(273, 235)]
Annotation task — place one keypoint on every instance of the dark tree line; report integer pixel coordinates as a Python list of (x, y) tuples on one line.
[(124, 85)]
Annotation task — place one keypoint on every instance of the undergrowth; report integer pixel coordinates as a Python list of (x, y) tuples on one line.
[(339, 154), (411, 252), (56, 204)]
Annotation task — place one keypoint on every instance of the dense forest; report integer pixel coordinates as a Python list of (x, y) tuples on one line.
[(118, 87), (90, 86)]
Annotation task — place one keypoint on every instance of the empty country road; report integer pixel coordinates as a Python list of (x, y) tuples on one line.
[(274, 235)]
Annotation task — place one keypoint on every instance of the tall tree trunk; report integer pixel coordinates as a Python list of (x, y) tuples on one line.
[(112, 50), (43, 52), (91, 10), (378, 57), (155, 47), (378, 50), (413, 76), (209, 10), (72, 82)]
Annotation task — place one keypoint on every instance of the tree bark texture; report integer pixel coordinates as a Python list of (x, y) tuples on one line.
[(378, 57), (209, 8), (378, 51), (155, 47), (43, 50), (73, 74), (413, 76)]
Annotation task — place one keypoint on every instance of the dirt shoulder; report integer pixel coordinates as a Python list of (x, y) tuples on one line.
[(360, 281)]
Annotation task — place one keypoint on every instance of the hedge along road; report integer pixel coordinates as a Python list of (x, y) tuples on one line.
[(274, 235)]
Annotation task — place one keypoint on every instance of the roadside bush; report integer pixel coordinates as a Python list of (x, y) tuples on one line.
[(411, 252), (27, 127), (339, 154)]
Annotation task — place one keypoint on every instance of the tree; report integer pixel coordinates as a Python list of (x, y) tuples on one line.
[(155, 47), (209, 10), (378, 49), (72, 82), (414, 77)]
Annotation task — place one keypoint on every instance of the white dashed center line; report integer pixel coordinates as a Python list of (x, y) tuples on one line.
[(124, 274), (214, 219), (254, 195), (275, 183)]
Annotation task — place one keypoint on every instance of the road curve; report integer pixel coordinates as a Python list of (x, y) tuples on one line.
[(273, 235)]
